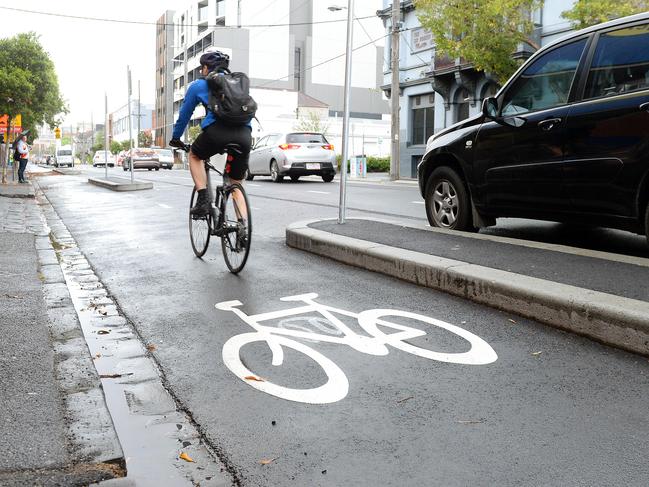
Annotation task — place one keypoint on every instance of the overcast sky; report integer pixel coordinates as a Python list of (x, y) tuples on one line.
[(91, 56)]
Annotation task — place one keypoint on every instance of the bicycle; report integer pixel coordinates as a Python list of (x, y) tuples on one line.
[(228, 219), (337, 385)]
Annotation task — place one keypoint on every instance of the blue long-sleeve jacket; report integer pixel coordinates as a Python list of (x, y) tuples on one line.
[(197, 92)]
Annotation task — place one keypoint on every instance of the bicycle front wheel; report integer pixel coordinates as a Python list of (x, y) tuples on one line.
[(199, 229), (236, 227)]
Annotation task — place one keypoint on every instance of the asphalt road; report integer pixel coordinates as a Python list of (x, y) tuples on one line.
[(403, 201), (553, 409)]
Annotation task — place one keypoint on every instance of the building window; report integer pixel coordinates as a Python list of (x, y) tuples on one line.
[(423, 118), (462, 98)]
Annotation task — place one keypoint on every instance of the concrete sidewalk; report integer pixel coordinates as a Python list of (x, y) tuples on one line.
[(596, 294), (55, 428)]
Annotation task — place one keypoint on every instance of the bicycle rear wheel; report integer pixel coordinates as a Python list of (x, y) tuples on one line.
[(236, 227), (200, 229)]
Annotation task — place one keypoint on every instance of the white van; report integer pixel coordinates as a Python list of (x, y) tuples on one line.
[(64, 156)]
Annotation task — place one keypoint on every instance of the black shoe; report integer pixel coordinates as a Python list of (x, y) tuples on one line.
[(202, 207)]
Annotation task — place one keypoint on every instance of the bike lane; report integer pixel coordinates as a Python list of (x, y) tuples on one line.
[(553, 409)]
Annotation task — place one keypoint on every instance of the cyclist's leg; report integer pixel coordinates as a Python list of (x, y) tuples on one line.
[(197, 170), (237, 164)]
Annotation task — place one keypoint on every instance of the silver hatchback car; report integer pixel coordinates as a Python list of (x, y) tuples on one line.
[(293, 154)]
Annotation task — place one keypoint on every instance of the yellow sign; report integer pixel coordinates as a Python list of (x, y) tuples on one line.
[(16, 124)]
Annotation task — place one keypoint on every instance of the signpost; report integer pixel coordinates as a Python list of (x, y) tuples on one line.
[(8, 125)]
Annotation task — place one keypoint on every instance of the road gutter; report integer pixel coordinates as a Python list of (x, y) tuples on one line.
[(613, 320)]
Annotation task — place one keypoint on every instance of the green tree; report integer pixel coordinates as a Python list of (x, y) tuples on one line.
[(486, 33), (193, 132), (144, 138), (311, 123), (115, 147), (28, 84), (585, 13)]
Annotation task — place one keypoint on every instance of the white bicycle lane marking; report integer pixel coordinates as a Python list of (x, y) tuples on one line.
[(337, 386)]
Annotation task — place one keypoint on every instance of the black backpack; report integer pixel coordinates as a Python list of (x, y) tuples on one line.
[(229, 97)]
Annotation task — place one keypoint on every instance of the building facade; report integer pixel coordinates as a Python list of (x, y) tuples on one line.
[(163, 113), (435, 91), (285, 46), (118, 121)]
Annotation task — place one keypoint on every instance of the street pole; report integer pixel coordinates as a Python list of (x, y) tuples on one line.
[(239, 14), (6, 155), (106, 136), (394, 93), (137, 140), (130, 125), (348, 79)]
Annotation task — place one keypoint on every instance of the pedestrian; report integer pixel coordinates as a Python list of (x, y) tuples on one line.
[(21, 155)]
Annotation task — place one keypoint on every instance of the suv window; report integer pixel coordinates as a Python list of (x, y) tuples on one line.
[(620, 63), (546, 82)]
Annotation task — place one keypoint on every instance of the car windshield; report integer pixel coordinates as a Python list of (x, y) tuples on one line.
[(305, 139), (65, 152)]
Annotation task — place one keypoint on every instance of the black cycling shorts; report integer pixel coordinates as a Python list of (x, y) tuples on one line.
[(214, 138)]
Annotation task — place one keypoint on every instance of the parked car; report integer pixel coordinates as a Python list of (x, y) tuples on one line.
[(119, 159), (292, 154), (101, 158), (565, 139), (165, 157), (141, 158)]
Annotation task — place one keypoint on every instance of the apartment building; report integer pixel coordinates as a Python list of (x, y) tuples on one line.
[(435, 91), (292, 50)]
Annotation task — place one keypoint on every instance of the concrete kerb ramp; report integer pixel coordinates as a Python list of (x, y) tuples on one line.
[(614, 320), (121, 184)]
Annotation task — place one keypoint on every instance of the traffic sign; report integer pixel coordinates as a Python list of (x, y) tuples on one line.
[(16, 124)]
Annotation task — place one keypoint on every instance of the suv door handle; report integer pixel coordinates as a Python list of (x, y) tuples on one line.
[(644, 107), (549, 124)]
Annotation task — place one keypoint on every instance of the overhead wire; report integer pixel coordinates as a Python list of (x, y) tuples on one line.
[(165, 24)]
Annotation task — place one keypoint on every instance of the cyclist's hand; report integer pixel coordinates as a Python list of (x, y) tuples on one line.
[(177, 143)]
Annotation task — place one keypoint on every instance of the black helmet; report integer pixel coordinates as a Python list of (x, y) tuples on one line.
[(215, 60)]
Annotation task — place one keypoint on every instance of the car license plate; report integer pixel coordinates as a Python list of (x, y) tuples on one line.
[(313, 165)]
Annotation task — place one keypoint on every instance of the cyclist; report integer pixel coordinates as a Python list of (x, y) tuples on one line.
[(214, 137)]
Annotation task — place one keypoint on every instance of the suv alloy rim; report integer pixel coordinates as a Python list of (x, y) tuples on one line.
[(445, 204)]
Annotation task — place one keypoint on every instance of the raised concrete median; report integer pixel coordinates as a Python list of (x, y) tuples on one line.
[(612, 319), (121, 184)]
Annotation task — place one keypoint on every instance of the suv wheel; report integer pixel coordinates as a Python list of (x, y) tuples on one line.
[(274, 172), (447, 200), (327, 178)]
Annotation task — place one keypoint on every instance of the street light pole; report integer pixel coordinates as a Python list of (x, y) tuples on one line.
[(348, 79), (130, 124), (394, 93)]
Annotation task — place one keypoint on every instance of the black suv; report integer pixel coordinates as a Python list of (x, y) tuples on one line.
[(565, 139)]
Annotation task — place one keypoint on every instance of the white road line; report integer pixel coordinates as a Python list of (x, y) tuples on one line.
[(253, 185), (318, 192), (163, 205), (419, 202), (256, 209)]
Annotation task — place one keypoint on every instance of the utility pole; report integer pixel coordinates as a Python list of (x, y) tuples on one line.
[(130, 124), (137, 140), (342, 206), (239, 14), (394, 92)]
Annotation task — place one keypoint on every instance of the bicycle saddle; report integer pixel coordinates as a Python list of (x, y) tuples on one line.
[(236, 148)]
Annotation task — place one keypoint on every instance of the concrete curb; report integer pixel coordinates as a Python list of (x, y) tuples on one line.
[(614, 320), (120, 184)]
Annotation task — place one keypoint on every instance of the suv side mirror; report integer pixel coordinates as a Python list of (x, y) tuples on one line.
[(490, 108)]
